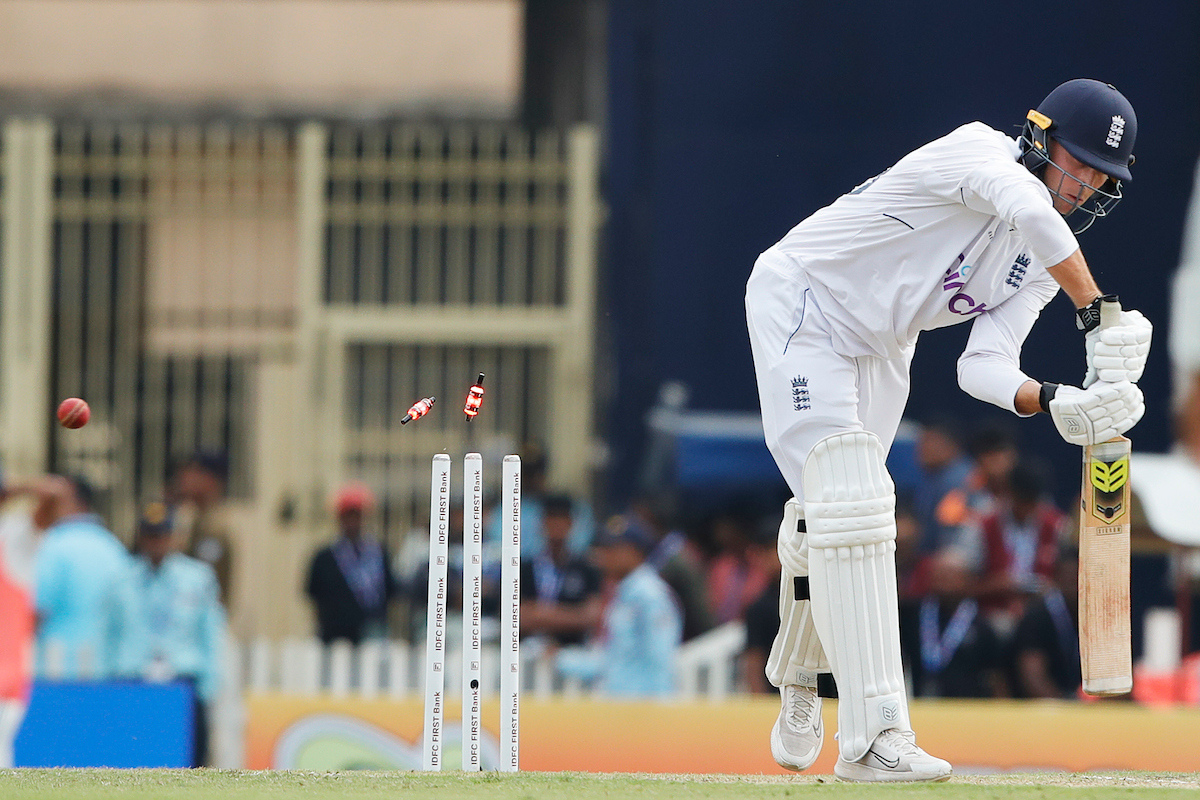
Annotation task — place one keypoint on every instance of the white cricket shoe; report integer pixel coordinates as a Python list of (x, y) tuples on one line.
[(894, 756), (798, 732)]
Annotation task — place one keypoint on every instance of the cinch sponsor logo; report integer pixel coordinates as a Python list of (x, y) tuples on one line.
[(954, 280)]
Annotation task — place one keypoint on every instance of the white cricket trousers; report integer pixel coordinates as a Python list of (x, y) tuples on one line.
[(811, 395), (806, 390)]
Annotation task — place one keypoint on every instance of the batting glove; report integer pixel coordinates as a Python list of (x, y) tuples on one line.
[(1097, 413), (1118, 353)]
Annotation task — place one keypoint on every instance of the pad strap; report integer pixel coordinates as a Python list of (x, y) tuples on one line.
[(796, 654)]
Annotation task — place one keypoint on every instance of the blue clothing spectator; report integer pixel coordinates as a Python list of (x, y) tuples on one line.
[(533, 509), (533, 514), (87, 609), (642, 625), (560, 593), (942, 502), (676, 562), (183, 626)]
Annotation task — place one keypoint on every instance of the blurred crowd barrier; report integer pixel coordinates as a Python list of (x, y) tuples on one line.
[(705, 667), (730, 736), (375, 671), (107, 723), (298, 704), (282, 293)]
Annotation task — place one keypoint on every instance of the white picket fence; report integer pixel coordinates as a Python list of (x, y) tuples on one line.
[(706, 671), (706, 667)]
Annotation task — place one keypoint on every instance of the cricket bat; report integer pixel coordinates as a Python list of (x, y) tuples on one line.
[(1105, 649)]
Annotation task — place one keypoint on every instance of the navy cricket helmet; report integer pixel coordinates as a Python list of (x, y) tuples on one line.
[(1095, 124)]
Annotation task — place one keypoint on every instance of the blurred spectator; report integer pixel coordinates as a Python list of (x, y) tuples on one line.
[(910, 578), (642, 626), (350, 582), (733, 581), (560, 592), (950, 648), (942, 499), (1152, 575), (1184, 332), (183, 621), (18, 550), (533, 493), (994, 453), (1046, 642), (1184, 342), (1015, 550), (88, 610), (762, 615), (197, 491), (676, 562)]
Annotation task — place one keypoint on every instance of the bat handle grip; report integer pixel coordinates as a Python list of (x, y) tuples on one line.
[(1110, 311), (1110, 314)]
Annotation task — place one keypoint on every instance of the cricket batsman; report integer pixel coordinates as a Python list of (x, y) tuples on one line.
[(973, 226)]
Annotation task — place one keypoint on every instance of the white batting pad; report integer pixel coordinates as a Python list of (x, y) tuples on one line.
[(796, 654), (849, 508)]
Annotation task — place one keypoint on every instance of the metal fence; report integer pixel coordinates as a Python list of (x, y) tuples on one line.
[(283, 293), (449, 253)]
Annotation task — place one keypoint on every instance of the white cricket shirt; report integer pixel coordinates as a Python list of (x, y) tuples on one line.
[(956, 230)]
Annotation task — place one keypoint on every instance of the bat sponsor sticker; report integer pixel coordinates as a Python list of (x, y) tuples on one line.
[(1109, 480)]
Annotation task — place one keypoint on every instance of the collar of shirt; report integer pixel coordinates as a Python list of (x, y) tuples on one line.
[(86, 520)]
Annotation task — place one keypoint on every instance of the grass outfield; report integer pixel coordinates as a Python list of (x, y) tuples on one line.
[(208, 784)]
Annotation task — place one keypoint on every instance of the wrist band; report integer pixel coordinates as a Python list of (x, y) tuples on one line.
[(1087, 319), (1046, 394)]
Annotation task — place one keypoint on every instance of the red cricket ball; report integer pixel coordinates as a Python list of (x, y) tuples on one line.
[(74, 413)]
